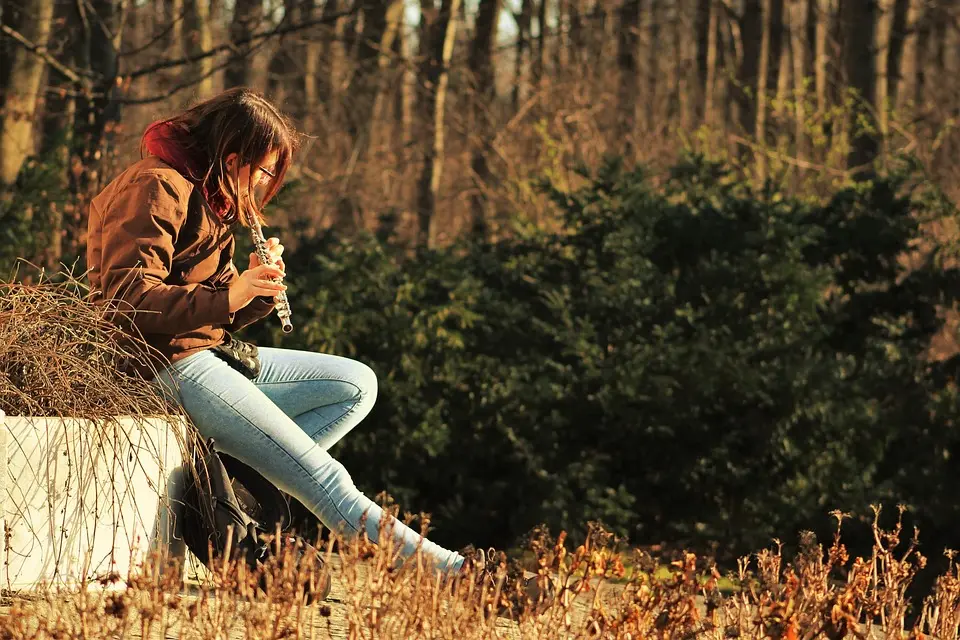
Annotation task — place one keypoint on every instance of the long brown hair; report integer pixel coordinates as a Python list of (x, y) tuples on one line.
[(241, 121)]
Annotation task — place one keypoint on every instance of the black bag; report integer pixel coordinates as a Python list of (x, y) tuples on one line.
[(242, 356), (225, 493)]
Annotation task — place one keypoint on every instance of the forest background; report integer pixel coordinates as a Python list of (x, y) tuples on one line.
[(683, 267)]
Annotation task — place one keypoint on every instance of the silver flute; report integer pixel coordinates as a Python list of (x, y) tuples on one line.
[(260, 246)]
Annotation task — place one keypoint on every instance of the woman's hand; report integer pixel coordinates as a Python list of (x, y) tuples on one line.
[(255, 282), (275, 249)]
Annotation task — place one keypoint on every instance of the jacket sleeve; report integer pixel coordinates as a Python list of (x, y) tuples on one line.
[(259, 308), (139, 230)]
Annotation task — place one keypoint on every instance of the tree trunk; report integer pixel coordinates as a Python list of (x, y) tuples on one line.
[(727, 61), (701, 27), (285, 76), (241, 71), (809, 36), (543, 29), (334, 51), (802, 71), (399, 125), (311, 69), (216, 14), (785, 75), (628, 50), (748, 75), (576, 39), (367, 91), (102, 31), (859, 20), (23, 90), (653, 63), (177, 18), (678, 72), (822, 52), (602, 39), (199, 32), (60, 106), (771, 50), (522, 45), (898, 33), (939, 37), (481, 67), (561, 52), (381, 23), (434, 73), (906, 87), (920, 58), (710, 88)]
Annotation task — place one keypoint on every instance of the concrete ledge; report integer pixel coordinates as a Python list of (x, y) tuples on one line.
[(81, 501)]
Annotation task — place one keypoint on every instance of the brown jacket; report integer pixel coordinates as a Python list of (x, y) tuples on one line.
[(154, 248)]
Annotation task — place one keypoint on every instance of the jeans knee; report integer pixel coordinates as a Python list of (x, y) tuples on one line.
[(366, 379)]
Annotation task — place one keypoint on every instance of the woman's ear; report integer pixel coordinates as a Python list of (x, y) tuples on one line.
[(231, 162)]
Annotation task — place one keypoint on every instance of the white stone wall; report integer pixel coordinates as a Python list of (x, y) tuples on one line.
[(81, 501)]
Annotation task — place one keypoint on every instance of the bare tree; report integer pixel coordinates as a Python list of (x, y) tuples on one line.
[(543, 30), (481, 68), (524, 19), (655, 15), (175, 47), (822, 29), (247, 16), (712, 61), (678, 72), (800, 46), (199, 37), (748, 75), (24, 76), (771, 50), (381, 24), (434, 74), (102, 33), (628, 51), (898, 34), (311, 68), (859, 21), (701, 28)]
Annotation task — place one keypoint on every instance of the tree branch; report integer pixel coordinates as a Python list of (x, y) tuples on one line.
[(70, 74), (185, 84), (154, 39), (276, 31)]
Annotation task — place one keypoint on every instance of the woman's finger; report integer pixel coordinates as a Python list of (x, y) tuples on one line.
[(268, 270), (267, 288)]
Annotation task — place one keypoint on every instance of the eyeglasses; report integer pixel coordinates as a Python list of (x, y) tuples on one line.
[(266, 175)]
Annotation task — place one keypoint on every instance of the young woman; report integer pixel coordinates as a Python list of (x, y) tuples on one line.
[(161, 244)]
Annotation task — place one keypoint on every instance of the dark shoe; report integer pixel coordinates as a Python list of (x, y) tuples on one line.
[(519, 590)]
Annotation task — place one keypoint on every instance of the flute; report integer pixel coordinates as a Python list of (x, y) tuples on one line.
[(260, 246)]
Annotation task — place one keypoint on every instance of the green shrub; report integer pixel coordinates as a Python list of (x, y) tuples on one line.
[(699, 362)]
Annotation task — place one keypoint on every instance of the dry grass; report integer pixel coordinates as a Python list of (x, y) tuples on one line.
[(60, 354), (818, 594)]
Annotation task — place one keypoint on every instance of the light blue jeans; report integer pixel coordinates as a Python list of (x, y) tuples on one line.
[(283, 422)]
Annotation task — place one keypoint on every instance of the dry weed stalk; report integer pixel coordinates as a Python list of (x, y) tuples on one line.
[(60, 355), (819, 595)]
